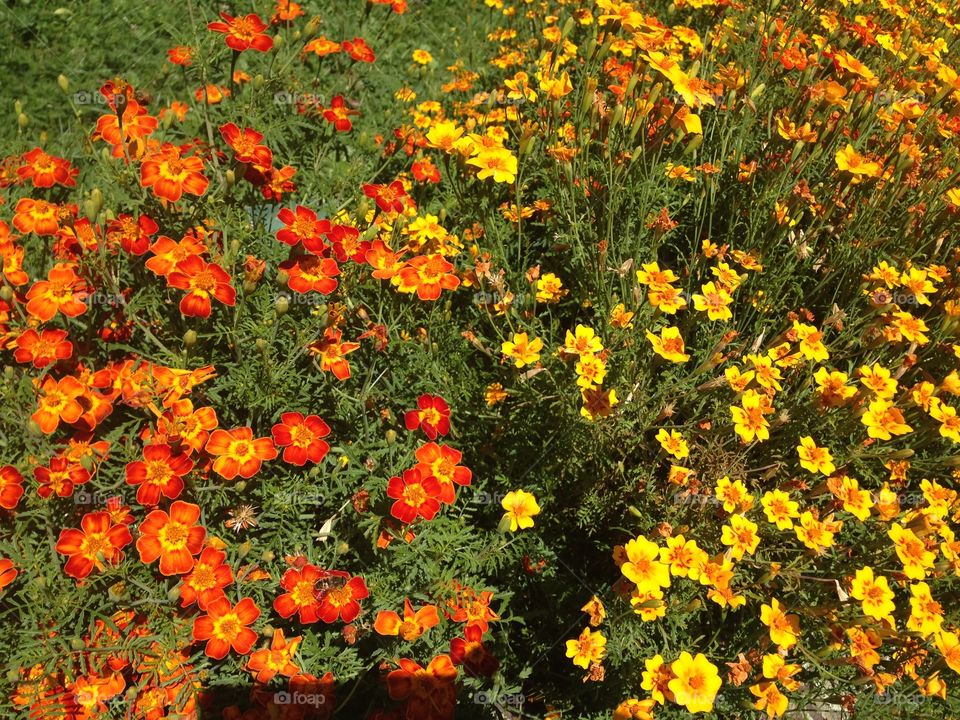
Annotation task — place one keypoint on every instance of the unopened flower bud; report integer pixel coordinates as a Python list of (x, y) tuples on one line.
[(63, 82), (190, 338)]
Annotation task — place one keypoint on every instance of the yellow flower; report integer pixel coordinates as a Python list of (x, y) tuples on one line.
[(741, 536), (816, 534), (597, 403), (621, 318), (714, 301), (444, 136), (673, 443), (549, 288), (656, 679), (832, 386), (684, 557), (926, 614), (521, 506), (769, 699), (422, 57), (912, 552), (849, 160), (811, 342), (633, 709), (669, 345), (594, 608), (522, 349), (733, 495), (949, 646), (749, 421), (494, 394), (643, 566), (497, 163), (947, 417), (874, 594), (813, 458), (877, 378), (582, 341), (883, 420), (780, 509), (784, 628), (588, 649), (695, 683)]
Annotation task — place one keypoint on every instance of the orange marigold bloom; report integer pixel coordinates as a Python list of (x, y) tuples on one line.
[(303, 226), (338, 114), (167, 254), (206, 581), (301, 437), (432, 416), (342, 601), (332, 353), (321, 47), (181, 55), (8, 573), (11, 487), (429, 693), (309, 272), (426, 275), (243, 33), (267, 663), (97, 543), (411, 626), (304, 588), (416, 495), (170, 174), (383, 260), (174, 538), (184, 425), (60, 477), (45, 171), (246, 145), (225, 626), (132, 234), (159, 473), (43, 348), (359, 50), (470, 652), (137, 127), (389, 198), (203, 280), (36, 216), (442, 462), (58, 402), (238, 453)]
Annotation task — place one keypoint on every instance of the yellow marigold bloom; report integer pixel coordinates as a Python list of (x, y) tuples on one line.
[(669, 345), (811, 342), (591, 371), (582, 341), (588, 649), (556, 87), (594, 608), (696, 682), (883, 420), (714, 301), (949, 646), (597, 403), (673, 443), (741, 536), (765, 373), (784, 628), (678, 172), (817, 535), (885, 273), (749, 421), (855, 501), (926, 614), (951, 383), (849, 160), (652, 275), (522, 349), (736, 380), (815, 459), (910, 327), (656, 678), (684, 557), (941, 499), (874, 594), (444, 135), (633, 709), (679, 475), (422, 57), (947, 417), (769, 699), (521, 506), (621, 318), (832, 386), (780, 509), (494, 394), (666, 298), (776, 668), (878, 378), (863, 645), (549, 288), (648, 604), (733, 495), (726, 276), (912, 552), (497, 163), (917, 281), (923, 395), (643, 565)]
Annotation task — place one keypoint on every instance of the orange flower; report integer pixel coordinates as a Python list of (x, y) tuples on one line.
[(383, 260), (58, 402), (441, 462), (301, 437), (132, 234), (303, 226), (160, 472), (203, 280), (309, 272), (238, 453), (8, 573), (43, 348), (267, 663), (338, 114), (332, 353), (225, 626), (388, 197), (170, 174), (321, 47), (342, 601), (243, 33), (168, 254), (174, 538), (426, 275), (37, 216), (359, 50), (60, 477), (429, 693), (11, 487), (415, 495), (413, 624), (432, 416), (182, 424), (246, 145), (207, 579), (137, 126), (62, 291), (46, 170), (303, 593), (97, 543), (181, 55)]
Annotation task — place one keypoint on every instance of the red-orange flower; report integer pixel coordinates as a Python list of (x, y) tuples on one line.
[(411, 626), (203, 280), (332, 353), (338, 114), (301, 437), (132, 234), (304, 587), (225, 626), (11, 487), (41, 349), (159, 473), (181, 55), (96, 544), (243, 33), (442, 462), (425, 171), (389, 198), (170, 174), (137, 126), (309, 272), (238, 453), (415, 496), (267, 663), (60, 477), (182, 424), (63, 291), (46, 170), (174, 538), (246, 145), (432, 416), (342, 600), (37, 216), (470, 652), (8, 573), (427, 276), (429, 693), (359, 50), (57, 402), (167, 253), (303, 226), (206, 581), (383, 260)]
